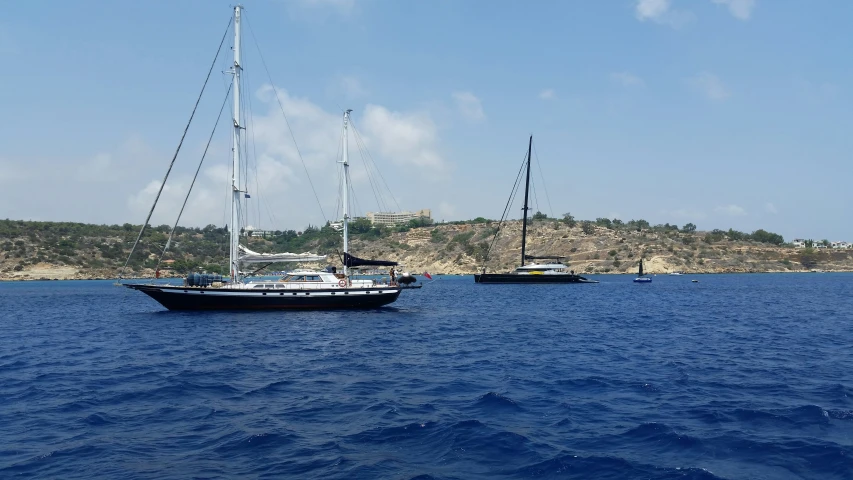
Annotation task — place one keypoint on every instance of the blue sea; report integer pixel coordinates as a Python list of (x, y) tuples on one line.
[(734, 377)]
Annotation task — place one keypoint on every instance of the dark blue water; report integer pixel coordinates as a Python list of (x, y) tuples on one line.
[(736, 377)]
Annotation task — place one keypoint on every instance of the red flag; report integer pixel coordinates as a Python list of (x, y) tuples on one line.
[(426, 274)]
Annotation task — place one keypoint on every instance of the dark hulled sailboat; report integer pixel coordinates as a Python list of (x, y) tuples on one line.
[(555, 272), (641, 277), (299, 289)]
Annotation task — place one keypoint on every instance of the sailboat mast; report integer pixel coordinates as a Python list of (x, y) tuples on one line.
[(233, 253), (345, 193), (526, 191)]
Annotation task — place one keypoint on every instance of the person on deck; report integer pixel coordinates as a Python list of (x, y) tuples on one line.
[(393, 276)]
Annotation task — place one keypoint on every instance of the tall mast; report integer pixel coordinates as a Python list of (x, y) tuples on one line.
[(345, 193), (233, 254), (526, 191)]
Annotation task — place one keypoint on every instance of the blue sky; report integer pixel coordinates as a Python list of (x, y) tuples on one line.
[(724, 113)]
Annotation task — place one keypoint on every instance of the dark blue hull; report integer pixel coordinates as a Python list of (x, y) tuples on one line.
[(187, 298)]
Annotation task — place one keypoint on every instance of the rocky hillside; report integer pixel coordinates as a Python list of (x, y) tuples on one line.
[(461, 248), (33, 250)]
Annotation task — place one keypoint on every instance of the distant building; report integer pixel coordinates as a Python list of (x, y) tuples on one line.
[(841, 245), (250, 231), (799, 243), (397, 218)]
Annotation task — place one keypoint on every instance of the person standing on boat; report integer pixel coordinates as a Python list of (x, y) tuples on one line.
[(393, 275)]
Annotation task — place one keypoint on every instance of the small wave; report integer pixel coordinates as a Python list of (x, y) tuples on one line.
[(468, 424), (271, 388), (797, 416), (836, 391), (648, 387), (97, 419), (45, 464), (172, 392), (586, 383), (607, 468), (808, 415), (662, 436), (748, 415), (496, 401), (255, 441), (382, 435), (840, 414)]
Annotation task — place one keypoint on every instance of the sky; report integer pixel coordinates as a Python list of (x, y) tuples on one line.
[(722, 113)]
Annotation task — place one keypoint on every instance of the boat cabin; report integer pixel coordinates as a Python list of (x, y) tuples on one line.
[(542, 269)]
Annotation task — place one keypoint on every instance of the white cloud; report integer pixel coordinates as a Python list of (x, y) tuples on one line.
[(203, 206), (652, 9), (770, 208), (280, 192), (349, 86), (469, 105), (660, 11), (406, 138), (731, 210), (547, 94), (627, 79), (740, 9), (710, 86)]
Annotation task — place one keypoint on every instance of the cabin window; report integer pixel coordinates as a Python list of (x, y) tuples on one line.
[(312, 278), (258, 286)]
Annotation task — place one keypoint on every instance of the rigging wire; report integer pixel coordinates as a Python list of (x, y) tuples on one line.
[(254, 157), (509, 203), (374, 183), (535, 197), (175, 156), (391, 192), (186, 199), (544, 186), (278, 99)]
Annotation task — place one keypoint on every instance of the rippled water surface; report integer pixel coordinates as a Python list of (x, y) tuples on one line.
[(736, 377)]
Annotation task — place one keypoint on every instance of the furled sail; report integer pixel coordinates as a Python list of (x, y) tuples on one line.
[(351, 261), (248, 256)]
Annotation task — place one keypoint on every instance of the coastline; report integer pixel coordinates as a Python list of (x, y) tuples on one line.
[(24, 277)]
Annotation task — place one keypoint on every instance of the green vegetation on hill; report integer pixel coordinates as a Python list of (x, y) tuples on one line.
[(106, 247), (602, 245)]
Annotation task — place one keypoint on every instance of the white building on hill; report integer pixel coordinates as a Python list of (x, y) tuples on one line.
[(397, 218)]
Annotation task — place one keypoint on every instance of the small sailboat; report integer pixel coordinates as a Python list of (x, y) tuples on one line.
[(642, 278)]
